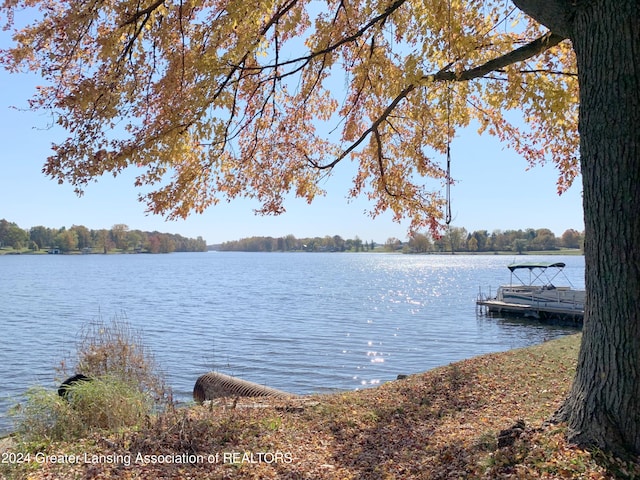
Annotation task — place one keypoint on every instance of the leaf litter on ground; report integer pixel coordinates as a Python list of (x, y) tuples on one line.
[(482, 418)]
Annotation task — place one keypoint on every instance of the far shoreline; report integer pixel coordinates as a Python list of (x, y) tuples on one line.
[(564, 251)]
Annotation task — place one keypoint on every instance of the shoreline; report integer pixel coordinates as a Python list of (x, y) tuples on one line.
[(446, 422), (568, 252)]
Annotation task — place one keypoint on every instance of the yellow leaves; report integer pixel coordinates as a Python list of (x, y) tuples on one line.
[(262, 99)]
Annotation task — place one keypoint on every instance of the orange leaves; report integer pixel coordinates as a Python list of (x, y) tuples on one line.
[(219, 99)]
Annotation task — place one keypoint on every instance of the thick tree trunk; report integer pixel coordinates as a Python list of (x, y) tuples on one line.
[(603, 409)]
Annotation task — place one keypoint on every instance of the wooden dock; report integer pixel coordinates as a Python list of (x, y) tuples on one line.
[(541, 311)]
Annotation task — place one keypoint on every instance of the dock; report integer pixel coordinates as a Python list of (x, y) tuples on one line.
[(537, 298), (541, 310)]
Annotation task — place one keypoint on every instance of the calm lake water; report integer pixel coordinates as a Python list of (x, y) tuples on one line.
[(295, 321)]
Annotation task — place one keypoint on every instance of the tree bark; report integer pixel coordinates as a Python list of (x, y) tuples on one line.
[(603, 407), (556, 15)]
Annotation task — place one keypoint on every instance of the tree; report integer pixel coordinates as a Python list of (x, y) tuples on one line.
[(472, 244), (135, 239), (519, 245), (42, 236), (571, 239), (84, 236), (420, 243), (357, 244), (153, 243), (338, 242), (167, 245), (235, 99), (482, 238), (454, 239), (66, 240), (603, 408), (392, 244), (229, 112), (102, 239), (120, 235), (12, 235), (544, 239)]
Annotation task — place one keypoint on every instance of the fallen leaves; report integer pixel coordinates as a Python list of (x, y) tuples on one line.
[(441, 424)]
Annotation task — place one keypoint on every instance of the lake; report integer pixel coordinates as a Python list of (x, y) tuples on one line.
[(300, 322)]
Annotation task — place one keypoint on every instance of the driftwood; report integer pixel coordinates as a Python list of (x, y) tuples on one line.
[(216, 385)]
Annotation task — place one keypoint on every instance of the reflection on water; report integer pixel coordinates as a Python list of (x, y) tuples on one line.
[(298, 322)]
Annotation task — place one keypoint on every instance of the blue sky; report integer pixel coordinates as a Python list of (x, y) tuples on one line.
[(494, 190)]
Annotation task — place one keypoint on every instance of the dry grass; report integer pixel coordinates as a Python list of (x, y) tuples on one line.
[(115, 349), (441, 424)]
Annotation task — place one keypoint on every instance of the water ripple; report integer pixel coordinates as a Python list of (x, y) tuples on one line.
[(299, 322)]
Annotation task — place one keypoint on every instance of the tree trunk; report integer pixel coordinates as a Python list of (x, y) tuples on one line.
[(603, 408)]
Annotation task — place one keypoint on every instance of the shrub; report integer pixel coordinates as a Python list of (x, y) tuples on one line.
[(114, 349), (125, 388), (106, 403), (45, 417)]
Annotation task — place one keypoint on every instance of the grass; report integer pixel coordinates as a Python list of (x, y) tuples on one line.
[(440, 424), (124, 389), (114, 350), (107, 403)]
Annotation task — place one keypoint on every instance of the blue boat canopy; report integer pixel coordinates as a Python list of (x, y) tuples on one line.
[(531, 266)]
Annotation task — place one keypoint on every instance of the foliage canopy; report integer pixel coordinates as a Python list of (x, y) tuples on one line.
[(215, 99)]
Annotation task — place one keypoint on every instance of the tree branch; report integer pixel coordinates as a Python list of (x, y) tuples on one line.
[(383, 176), (305, 60), (141, 13), (529, 50), (373, 128), (525, 52)]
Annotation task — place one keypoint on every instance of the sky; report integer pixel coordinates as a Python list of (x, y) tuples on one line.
[(494, 190)]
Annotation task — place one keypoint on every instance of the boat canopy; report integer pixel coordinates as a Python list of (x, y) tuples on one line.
[(531, 266), (538, 272)]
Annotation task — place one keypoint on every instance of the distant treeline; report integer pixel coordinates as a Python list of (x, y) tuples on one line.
[(292, 244), (79, 238), (454, 239), (457, 239)]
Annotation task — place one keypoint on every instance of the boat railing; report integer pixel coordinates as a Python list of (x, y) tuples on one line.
[(537, 298), (483, 296), (544, 297)]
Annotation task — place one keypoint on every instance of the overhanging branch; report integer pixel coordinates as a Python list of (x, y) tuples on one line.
[(133, 19), (525, 52)]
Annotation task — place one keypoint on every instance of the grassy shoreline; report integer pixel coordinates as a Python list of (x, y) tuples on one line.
[(442, 423)]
